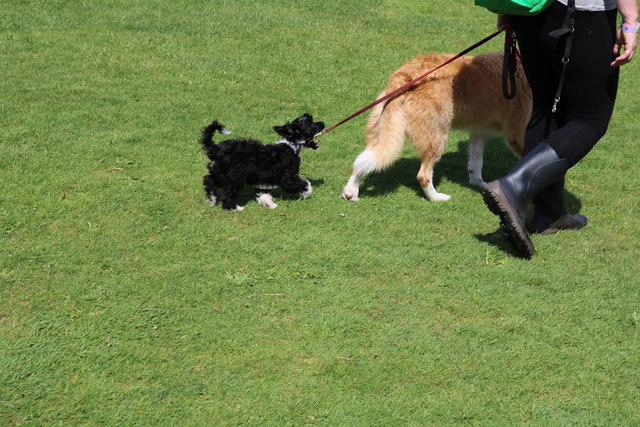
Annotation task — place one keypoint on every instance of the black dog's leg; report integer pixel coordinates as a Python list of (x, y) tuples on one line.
[(230, 197), (265, 198), (295, 184), (210, 189)]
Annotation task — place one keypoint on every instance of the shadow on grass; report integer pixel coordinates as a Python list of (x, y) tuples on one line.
[(498, 241), (452, 166), (248, 194), (498, 160)]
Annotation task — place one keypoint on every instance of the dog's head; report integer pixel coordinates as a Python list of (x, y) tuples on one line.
[(302, 131)]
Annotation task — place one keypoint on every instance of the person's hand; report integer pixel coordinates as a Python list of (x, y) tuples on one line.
[(629, 41)]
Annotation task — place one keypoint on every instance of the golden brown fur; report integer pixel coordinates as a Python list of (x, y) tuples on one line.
[(465, 94)]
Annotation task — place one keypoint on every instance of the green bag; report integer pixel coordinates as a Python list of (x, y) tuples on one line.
[(515, 7)]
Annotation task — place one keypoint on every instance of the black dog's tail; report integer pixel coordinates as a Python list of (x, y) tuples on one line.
[(209, 147)]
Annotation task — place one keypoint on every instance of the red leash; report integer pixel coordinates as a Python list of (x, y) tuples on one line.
[(411, 83)]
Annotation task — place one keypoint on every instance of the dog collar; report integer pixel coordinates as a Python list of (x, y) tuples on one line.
[(295, 147)]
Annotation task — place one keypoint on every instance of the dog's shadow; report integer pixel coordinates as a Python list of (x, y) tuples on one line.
[(498, 160), (248, 193), (452, 166)]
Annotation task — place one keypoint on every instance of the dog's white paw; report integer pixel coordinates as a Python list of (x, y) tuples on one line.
[(439, 197), (212, 200), (433, 195), (238, 208), (307, 193), (350, 192), (350, 196), (266, 200)]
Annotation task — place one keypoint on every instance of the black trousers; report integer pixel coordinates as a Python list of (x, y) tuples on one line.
[(590, 86)]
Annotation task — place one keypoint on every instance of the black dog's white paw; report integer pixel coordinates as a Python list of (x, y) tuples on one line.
[(307, 193)]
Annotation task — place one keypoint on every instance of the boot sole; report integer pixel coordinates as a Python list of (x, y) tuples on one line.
[(511, 224)]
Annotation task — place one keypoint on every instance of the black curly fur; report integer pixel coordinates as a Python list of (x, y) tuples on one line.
[(236, 163), (209, 147)]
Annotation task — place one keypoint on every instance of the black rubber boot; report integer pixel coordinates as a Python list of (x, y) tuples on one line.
[(507, 197), (548, 206), (550, 216)]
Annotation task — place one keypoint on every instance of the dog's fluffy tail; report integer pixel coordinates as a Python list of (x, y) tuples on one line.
[(385, 137), (209, 147)]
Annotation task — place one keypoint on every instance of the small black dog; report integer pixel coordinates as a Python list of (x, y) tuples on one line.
[(239, 162)]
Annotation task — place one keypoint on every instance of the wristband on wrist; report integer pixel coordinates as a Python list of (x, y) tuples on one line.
[(629, 29)]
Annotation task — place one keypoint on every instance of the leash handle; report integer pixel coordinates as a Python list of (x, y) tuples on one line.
[(406, 86)]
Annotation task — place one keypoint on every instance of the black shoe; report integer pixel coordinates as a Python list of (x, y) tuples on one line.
[(565, 222), (507, 197)]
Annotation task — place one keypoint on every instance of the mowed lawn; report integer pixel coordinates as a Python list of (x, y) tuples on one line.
[(126, 300)]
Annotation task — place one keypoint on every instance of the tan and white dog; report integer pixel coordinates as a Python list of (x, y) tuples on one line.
[(466, 95)]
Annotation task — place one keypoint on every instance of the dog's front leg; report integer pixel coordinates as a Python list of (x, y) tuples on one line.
[(474, 167), (229, 199), (297, 185), (307, 193)]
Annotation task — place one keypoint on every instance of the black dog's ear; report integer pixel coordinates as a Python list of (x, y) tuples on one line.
[(284, 131)]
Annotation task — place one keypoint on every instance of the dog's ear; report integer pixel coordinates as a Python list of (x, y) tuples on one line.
[(284, 131)]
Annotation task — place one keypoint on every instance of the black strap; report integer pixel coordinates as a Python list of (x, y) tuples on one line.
[(509, 66), (567, 30)]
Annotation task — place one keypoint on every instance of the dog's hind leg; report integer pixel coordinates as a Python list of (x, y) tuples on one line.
[(385, 139), (429, 139), (474, 167), (352, 188), (425, 178), (210, 189)]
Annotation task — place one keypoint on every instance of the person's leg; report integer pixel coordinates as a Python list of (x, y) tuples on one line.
[(585, 110), (541, 58), (590, 87), (586, 106), (507, 197), (541, 64), (548, 204)]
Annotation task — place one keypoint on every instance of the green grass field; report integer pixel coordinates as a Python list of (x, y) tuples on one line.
[(126, 300)]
